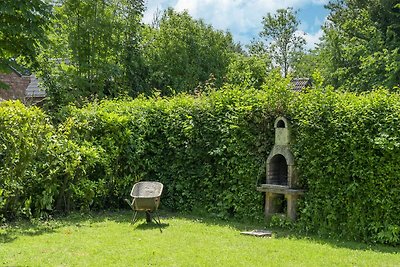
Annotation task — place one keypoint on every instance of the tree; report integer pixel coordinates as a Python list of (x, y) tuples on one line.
[(23, 25), (248, 71), (94, 50), (360, 47), (282, 41), (306, 64), (182, 52)]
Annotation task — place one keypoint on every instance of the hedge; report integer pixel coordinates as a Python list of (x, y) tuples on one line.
[(24, 137), (40, 168), (348, 152), (210, 153)]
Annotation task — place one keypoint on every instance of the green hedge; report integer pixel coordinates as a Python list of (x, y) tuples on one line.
[(24, 137), (40, 168), (348, 152), (210, 152)]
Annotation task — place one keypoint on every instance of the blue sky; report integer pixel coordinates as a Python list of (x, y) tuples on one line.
[(243, 17)]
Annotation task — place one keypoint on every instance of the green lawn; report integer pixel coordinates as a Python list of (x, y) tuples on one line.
[(110, 240)]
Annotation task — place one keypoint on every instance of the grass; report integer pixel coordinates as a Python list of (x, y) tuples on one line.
[(109, 239)]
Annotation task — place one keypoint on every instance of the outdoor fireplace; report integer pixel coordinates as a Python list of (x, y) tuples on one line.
[(281, 185), (278, 171)]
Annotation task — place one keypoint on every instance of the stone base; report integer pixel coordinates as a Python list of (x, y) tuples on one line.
[(272, 195)]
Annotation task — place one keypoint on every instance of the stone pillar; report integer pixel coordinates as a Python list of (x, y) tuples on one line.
[(291, 205), (270, 205)]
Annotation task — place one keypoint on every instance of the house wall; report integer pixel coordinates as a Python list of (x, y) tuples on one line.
[(17, 83)]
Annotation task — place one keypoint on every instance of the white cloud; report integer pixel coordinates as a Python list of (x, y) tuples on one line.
[(153, 6), (318, 21), (313, 39), (241, 17), (320, 2)]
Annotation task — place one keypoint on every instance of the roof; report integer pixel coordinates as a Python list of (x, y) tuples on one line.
[(298, 84), (18, 69), (33, 89)]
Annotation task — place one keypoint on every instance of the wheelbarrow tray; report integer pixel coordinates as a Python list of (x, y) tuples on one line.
[(146, 196), (146, 204)]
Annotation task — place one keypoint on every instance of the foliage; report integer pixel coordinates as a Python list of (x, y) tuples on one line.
[(306, 64), (23, 25), (24, 138), (347, 149), (247, 71), (39, 167), (94, 51), (182, 52), (100, 49), (208, 151), (280, 221), (283, 43), (360, 47)]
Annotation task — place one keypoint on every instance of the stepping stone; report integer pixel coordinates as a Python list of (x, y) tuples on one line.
[(258, 233)]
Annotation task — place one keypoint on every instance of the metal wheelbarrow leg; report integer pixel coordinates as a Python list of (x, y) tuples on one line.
[(150, 217), (132, 207), (146, 197)]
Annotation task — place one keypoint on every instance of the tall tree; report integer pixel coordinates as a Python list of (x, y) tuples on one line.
[(94, 50), (306, 64), (182, 52), (248, 70), (281, 38), (22, 29), (361, 44)]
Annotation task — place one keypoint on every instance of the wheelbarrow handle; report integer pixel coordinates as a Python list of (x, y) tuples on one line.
[(130, 203)]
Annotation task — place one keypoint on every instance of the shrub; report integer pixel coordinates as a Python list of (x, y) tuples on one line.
[(40, 168), (209, 150), (25, 183), (348, 151)]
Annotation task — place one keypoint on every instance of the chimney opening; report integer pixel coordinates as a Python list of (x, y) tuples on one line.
[(278, 170), (280, 124)]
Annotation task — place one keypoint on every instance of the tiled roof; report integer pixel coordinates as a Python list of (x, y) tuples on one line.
[(298, 84), (21, 71), (33, 89)]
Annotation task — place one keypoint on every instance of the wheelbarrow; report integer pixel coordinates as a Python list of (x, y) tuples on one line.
[(146, 197)]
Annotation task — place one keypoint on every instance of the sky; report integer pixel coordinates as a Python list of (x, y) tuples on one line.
[(243, 17)]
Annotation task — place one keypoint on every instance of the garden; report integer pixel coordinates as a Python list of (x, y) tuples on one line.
[(179, 102), (209, 151), (186, 240)]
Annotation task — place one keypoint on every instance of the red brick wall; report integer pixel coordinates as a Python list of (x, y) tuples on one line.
[(17, 85)]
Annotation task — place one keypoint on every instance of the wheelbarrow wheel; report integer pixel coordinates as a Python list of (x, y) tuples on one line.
[(148, 216)]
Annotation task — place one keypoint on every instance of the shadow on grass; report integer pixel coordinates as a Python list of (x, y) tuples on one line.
[(151, 226), (334, 243), (6, 238), (359, 246), (10, 232), (280, 233), (215, 221)]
